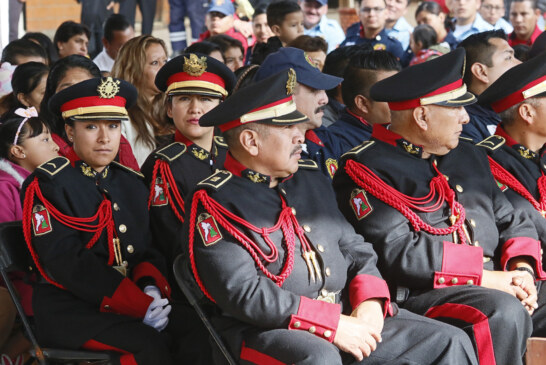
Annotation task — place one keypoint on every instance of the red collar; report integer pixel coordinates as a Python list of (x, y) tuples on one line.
[(179, 137), (358, 117), (514, 40), (312, 136), (381, 133), (502, 133), (238, 169)]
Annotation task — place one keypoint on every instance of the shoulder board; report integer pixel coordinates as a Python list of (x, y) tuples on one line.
[(171, 152), (126, 168), (466, 139), (492, 143), (308, 164), (220, 141), (53, 166), (355, 151), (216, 180)]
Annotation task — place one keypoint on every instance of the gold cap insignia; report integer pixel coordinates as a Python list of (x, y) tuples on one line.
[(309, 60), (291, 83), (108, 88), (195, 66)]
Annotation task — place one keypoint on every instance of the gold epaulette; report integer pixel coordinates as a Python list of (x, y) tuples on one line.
[(171, 152), (492, 143), (127, 168), (216, 180), (53, 166), (308, 164), (355, 151), (220, 141)]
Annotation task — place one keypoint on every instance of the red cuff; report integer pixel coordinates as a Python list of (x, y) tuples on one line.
[(523, 246), (461, 265), (364, 287), (128, 300), (145, 269), (318, 317)]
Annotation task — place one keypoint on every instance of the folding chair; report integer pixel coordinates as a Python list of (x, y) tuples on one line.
[(185, 279), (14, 256)]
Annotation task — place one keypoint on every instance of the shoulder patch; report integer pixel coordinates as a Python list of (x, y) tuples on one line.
[(126, 168), (220, 141), (355, 151), (307, 164), (492, 143), (171, 152), (216, 180), (53, 166)]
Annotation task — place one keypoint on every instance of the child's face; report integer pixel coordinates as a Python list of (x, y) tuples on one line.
[(291, 28), (38, 150), (414, 46)]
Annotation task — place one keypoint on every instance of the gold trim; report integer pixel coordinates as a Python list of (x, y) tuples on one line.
[(94, 109), (535, 90), (162, 151), (57, 169), (453, 94), (356, 150), (272, 112), (289, 120), (224, 176), (492, 142), (197, 83)]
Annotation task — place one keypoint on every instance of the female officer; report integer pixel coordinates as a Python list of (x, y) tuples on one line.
[(86, 226)]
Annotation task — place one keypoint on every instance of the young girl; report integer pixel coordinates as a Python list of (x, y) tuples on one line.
[(28, 85), (25, 143), (423, 43)]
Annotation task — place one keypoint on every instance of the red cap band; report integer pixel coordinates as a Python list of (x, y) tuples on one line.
[(88, 101), (514, 98), (414, 103)]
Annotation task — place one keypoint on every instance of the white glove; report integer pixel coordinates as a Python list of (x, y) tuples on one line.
[(157, 315)]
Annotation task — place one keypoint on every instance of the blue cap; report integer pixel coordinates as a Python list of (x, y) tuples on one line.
[(306, 71), (321, 2), (222, 6)]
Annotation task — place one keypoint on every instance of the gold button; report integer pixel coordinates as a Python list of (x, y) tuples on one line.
[(476, 243), (454, 281), (312, 329), (327, 333), (473, 223), (320, 248), (124, 263), (435, 163), (324, 292), (447, 177), (283, 191), (470, 282), (328, 271), (486, 259), (459, 188), (122, 228), (106, 306), (441, 280), (306, 228), (116, 207), (130, 249), (297, 324), (294, 211)]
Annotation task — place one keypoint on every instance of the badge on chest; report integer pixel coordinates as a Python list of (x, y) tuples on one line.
[(41, 222), (360, 204), (208, 229)]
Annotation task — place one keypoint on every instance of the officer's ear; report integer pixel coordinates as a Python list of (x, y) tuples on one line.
[(363, 104), (479, 71), (249, 141), (69, 129), (420, 116), (527, 112)]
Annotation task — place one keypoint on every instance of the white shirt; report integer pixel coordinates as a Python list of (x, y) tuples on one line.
[(140, 149), (103, 61)]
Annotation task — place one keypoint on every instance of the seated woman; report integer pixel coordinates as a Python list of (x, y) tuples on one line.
[(25, 143), (64, 73), (101, 283)]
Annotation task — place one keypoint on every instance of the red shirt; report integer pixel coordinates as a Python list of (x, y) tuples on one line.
[(232, 33), (513, 40)]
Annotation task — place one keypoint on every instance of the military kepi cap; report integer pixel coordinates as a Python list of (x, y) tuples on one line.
[(105, 98), (438, 81), (519, 83), (192, 73), (268, 101)]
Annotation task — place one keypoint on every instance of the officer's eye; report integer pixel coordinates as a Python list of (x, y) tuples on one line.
[(90, 126), (206, 99), (114, 126)]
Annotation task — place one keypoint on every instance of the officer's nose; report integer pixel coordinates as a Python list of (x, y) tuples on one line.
[(464, 115), (104, 136)]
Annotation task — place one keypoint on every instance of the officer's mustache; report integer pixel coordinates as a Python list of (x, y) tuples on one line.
[(296, 150), (319, 109)]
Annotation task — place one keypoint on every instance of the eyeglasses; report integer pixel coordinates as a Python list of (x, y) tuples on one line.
[(369, 10), (493, 8)]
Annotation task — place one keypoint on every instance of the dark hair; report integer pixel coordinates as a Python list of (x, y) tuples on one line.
[(534, 3), (426, 35), (245, 76), (259, 11), (57, 72), (479, 49), (337, 60), (203, 47), (310, 44), (21, 47), (115, 22), (434, 8), (521, 52), (46, 43), (25, 79), (226, 42), (277, 11), (68, 30), (9, 123), (361, 73)]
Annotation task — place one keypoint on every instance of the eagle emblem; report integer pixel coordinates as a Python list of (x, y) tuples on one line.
[(195, 66)]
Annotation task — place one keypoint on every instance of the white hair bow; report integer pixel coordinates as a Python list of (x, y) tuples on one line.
[(27, 114)]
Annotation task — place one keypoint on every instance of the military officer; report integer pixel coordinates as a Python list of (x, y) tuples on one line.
[(517, 149), (86, 225), (276, 256), (449, 243)]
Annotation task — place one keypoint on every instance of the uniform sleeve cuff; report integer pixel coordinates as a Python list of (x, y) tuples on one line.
[(461, 265), (128, 300), (145, 269), (523, 246), (317, 317), (364, 287)]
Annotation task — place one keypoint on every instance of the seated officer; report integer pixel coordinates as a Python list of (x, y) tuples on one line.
[(449, 243), (517, 149), (86, 226), (275, 256)]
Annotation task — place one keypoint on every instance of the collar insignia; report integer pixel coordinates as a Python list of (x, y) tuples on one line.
[(195, 66), (89, 172), (256, 177), (199, 152), (525, 152), (108, 88), (291, 83), (410, 147)]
